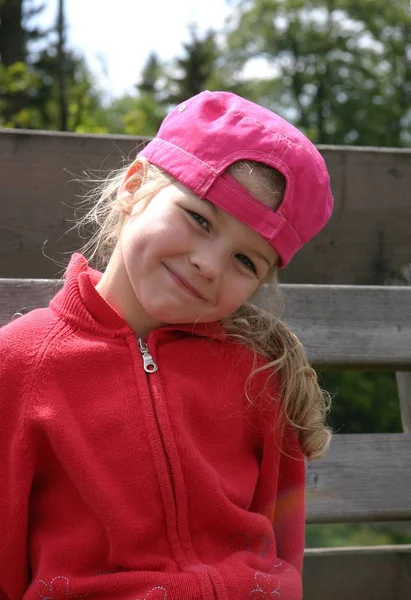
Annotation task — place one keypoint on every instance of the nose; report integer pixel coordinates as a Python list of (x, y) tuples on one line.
[(209, 260)]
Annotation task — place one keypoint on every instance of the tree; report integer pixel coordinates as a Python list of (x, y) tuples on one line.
[(80, 99), (151, 76), (12, 33), (363, 402), (140, 114), (61, 67), (17, 82), (192, 73), (391, 25), (331, 65), (44, 85)]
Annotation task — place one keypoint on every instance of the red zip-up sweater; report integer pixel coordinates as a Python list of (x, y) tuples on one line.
[(120, 484)]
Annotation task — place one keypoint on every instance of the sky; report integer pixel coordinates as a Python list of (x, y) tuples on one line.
[(116, 36)]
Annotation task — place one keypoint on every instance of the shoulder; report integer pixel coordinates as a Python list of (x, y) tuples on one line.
[(23, 343), (25, 330)]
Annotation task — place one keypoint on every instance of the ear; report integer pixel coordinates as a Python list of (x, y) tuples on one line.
[(131, 183)]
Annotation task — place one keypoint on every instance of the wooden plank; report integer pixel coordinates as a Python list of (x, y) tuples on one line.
[(38, 194), (345, 327), (404, 394), (364, 477), (373, 573), (20, 296), (342, 327), (366, 242)]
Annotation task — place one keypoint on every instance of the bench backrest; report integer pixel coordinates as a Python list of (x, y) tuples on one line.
[(363, 477)]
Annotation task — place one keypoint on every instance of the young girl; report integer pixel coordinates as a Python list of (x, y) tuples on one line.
[(153, 424)]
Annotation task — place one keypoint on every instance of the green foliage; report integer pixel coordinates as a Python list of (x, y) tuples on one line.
[(141, 115), (17, 83), (30, 90), (151, 75), (84, 101), (357, 534), (341, 68), (363, 402), (192, 72)]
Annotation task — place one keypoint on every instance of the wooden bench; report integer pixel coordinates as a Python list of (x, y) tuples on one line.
[(364, 478)]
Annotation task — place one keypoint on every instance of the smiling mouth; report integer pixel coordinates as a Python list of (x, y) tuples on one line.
[(184, 284)]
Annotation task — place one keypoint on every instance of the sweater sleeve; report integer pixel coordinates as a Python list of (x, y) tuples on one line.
[(289, 516), (280, 492), (280, 497), (16, 461)]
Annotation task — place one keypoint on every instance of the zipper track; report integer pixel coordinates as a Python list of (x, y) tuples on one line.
[(163, 467), (180, 554), (212, 586)]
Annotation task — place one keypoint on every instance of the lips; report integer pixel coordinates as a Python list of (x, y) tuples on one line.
[(184, 282)]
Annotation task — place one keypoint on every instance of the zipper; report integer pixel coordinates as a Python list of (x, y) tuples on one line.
[(148, 361), (150, 367), (181, 558)]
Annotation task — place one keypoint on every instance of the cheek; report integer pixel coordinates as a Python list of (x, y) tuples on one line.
[(234, 293), (133, 244)]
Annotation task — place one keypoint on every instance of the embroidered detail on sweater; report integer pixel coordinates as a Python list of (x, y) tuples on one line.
[(259, 544), (280, 564), (57, 589), (266, 588), (156, 593)]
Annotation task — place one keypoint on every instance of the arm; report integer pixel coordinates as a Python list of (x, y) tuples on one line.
[(289, 516), (16, 465), (280, 497)]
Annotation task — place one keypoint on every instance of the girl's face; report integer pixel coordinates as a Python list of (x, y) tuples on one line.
[(182, 260)]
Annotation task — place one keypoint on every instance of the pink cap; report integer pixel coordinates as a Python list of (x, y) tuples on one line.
[(203, 136)]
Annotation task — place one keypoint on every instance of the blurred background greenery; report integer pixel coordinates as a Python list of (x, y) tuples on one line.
[(339, 69)]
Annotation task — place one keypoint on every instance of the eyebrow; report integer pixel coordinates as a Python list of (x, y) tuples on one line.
[(270, 266), (212, 206)]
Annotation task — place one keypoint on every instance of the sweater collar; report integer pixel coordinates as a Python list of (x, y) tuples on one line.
[(79, 303)]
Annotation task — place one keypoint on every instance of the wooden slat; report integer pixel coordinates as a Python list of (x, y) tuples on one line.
[(373, 573), (38, 193), (364, 477), (20, 296), (340, 326), (404, 394), (345, 327), (366, 242)]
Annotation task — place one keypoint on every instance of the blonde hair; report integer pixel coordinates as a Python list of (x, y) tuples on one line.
[(304, 404)]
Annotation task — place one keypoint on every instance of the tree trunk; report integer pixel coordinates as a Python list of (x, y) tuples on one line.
[(61, 66), (12, 39)]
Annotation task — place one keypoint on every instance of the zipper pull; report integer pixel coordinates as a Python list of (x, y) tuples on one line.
[(148, 362)]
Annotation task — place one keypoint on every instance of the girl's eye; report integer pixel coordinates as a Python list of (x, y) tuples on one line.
[(200, 220), (247, 262)]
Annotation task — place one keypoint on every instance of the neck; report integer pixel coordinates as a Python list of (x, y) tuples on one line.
[(116, 289)]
